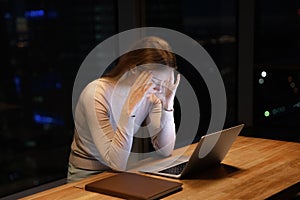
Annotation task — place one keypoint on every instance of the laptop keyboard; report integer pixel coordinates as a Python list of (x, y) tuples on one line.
[(177, 169)]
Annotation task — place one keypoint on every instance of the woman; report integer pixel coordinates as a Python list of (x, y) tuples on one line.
[(138, 91)]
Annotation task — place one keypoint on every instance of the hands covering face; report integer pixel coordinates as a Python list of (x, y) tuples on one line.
[(138, 91), (167, 92), (146, 84)]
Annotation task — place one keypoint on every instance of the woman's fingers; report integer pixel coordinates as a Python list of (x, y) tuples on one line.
[(143, 78), (172, 78), (171, 85), (148, 87), (177, 81)]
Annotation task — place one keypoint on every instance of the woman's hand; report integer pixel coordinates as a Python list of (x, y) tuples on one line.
[(169, 92), (138, 92)]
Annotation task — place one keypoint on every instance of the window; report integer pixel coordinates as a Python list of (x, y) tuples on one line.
[(213, 25), (277, 69), (44, 43)]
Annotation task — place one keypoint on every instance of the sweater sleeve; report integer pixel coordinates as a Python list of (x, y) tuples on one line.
[(114, 145), (161, 128)]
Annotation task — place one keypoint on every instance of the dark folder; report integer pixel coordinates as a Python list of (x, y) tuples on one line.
[(134, 186)]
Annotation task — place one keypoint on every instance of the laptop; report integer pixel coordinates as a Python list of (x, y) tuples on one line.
[(211, 150)]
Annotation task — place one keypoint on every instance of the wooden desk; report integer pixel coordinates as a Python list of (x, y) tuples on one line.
[(253, 169)]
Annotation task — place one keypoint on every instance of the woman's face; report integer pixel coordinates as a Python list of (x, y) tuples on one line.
[(160, 76)]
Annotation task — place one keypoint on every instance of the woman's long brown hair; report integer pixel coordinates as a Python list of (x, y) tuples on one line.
[(142, 56)]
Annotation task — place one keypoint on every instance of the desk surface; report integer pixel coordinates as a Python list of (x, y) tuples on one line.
[(254, 168)]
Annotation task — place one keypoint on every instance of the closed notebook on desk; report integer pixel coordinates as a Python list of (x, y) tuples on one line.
[(134, 186)]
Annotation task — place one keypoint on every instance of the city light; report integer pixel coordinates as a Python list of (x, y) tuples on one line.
[(43, 119), (34, 13), (261, 81), (7, 16), (292, 84), (267, 113)]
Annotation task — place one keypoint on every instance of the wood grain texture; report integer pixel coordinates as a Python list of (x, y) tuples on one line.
[(254, 168)]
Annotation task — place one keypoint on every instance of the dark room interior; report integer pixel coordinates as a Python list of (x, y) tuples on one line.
[(254, 44)]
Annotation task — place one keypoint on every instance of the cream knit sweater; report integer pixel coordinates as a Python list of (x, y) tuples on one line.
[(103, 133)]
